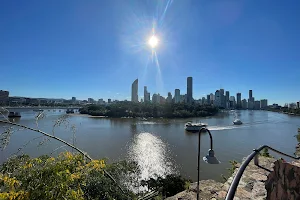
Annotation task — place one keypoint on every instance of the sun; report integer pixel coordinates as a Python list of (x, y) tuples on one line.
[(153, 41)]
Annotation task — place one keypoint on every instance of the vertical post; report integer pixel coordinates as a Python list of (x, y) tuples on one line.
[(198, 167)]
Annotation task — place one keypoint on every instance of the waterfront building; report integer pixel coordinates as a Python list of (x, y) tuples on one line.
[(244, 104), (217, 101), (222, 98), (189, 90), (263, 103), (238, 100), (256, 105), (134, 91), (4, 97)]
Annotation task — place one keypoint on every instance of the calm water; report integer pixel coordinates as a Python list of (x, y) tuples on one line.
[(161, 146)]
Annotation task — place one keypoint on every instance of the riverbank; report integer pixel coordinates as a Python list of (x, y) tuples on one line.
[(85, 115), (251, 186)]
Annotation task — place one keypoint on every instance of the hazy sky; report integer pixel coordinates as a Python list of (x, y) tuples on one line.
[(97, 48)]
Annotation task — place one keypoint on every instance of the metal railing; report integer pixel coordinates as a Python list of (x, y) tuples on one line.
[(238, 176)]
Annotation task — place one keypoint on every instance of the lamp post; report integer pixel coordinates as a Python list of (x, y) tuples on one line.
[(209, 158)]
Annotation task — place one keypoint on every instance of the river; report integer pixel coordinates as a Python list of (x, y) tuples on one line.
[(159, 146)]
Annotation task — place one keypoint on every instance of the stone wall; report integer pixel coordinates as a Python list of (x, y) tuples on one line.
[(256, 183), (284, 181)]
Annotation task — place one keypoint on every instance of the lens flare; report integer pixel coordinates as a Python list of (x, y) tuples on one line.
[(153, 41)]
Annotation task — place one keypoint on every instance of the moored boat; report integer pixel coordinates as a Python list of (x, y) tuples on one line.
[(14, 114)]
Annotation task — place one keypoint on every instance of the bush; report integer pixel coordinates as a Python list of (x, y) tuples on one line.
[(66, 177)]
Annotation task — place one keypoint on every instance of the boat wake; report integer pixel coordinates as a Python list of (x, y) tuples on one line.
[(220, 128)]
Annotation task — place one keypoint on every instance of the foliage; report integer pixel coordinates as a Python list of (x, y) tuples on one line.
[(168, 186), (132, 109), (231, 170), (286, 110), (265, 153), (66, 177)]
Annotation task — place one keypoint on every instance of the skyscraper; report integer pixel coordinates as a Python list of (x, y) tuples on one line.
[(244, 104), (227, 104), (217, 101), (134, 91), (238, 100), (169, 98), (146, 95), (177, 97), (227, 96), (250, 100), (189, 90), (208, 99), (222, 98), (212, 98)]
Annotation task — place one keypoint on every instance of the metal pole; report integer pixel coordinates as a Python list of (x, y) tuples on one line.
[(198, 168)]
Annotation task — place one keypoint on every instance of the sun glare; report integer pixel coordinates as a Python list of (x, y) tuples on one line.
[(153, 41)]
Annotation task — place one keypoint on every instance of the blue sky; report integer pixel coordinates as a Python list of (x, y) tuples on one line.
[(97, 48)]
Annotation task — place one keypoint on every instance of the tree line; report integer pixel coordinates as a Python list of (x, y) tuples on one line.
[(132, 109)]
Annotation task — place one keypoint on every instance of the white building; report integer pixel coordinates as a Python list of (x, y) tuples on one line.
[(134, 91)]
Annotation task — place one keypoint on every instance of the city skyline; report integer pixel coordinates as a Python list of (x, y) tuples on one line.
[(96, 49)]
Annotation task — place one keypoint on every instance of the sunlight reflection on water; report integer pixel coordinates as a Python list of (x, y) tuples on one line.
[(152, 156)]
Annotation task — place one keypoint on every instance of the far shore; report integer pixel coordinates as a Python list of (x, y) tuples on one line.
[(86, 115)]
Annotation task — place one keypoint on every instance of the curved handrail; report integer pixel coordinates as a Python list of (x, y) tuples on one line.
[(237, 177)]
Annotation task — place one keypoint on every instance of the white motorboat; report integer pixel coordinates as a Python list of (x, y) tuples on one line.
[(237, 122), (189, 126)]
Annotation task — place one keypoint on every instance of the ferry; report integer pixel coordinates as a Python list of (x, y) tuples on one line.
[(189, 126)]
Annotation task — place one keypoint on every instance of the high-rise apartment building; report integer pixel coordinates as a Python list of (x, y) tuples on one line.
[(208, 99), (169, 98), (177, 97), (256, 105), (298, 104), (212, 98), (146, 95), (134, 91), (244, 104), (222, 98), (238, 100), (156, 98), (4, 97), (227, 96), (263, 103), (189, 93), (250, 101), (217, 101)]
